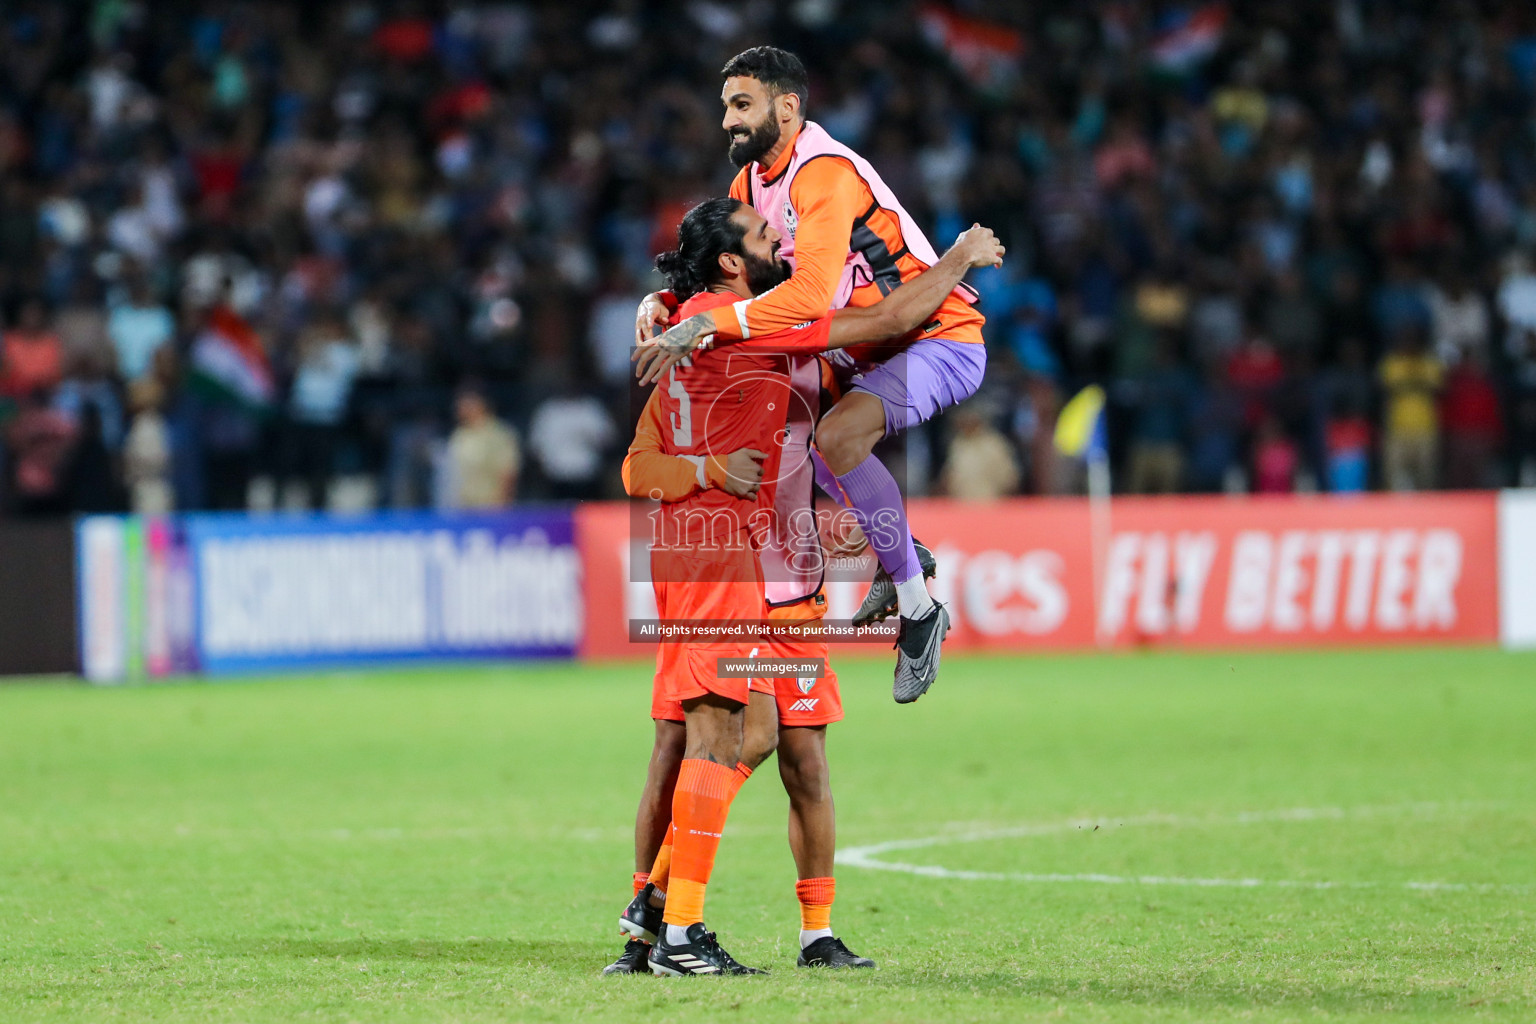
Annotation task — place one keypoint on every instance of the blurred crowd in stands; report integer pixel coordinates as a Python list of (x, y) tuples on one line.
[(388, 254)]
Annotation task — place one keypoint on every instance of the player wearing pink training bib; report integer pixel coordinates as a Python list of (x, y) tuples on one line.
[(851, 243)]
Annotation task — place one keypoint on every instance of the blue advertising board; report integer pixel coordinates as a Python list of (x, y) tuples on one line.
[(273, 592)]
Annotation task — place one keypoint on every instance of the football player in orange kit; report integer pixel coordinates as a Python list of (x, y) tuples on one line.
[(851, 243), (726, 251)]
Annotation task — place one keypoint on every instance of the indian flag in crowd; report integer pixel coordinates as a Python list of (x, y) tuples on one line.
[(229, 362), (987, 53), (1187, 36)]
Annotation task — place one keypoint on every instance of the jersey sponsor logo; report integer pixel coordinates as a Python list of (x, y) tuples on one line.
[(790, 220), (805, 704), (806, 683)]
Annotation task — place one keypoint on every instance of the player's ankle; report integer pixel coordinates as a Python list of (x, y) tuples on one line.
[(808, 937), (913, 599)]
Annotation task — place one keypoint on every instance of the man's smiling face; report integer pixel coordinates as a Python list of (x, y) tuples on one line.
[(765, 268), (751, 119)]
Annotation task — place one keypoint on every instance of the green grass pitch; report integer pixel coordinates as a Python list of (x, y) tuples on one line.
[(455, 844)]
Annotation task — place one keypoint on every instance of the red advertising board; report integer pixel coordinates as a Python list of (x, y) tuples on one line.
[(602, 538), (1204, 572)]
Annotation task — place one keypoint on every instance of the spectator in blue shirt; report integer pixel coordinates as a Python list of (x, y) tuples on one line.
[(138, 326), (318, 404)]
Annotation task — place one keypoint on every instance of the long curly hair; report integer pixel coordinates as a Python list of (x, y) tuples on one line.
[(706, 231)]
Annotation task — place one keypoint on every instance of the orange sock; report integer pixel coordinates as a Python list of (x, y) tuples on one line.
[(661, 870), (743, 773), (641, 877), (816, 895), (699, 809)]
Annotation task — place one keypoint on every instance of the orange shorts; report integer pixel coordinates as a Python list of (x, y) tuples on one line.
[(807, 700), (718, 586)]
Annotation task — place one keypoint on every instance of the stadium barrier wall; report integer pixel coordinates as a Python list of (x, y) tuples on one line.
[(37, 598), (232, 593), (1194, 571)]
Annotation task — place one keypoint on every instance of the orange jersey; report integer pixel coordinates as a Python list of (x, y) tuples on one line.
[(714, 403), (713, 586), (651, 470), (849, 239)]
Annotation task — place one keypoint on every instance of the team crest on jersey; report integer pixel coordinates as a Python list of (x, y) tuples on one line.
[(790, 220), (806, 683)]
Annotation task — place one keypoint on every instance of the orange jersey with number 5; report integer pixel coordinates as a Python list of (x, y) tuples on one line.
[(713, 403)]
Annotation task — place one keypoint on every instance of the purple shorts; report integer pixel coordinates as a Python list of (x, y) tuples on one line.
[(922, 380)]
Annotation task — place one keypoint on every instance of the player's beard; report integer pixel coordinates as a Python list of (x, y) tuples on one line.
[(764, 274), (756, 145)]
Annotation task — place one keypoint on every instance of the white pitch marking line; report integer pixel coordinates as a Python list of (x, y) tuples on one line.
[(867, 856)]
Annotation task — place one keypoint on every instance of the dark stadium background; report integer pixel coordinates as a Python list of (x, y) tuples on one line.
[(1189, 758), (1230, 216)]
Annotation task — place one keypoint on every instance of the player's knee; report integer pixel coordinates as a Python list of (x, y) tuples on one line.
[(829, 442), (839, 446), (844, 442), (671, 741), (757, 744), (806, 779), (662, 774)]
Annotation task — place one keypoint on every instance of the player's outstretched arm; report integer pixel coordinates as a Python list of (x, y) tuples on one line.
[(828, 196), (908, 306), (893, 316)]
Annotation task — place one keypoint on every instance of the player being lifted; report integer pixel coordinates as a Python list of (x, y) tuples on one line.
[(851, 243), (728, 252)]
